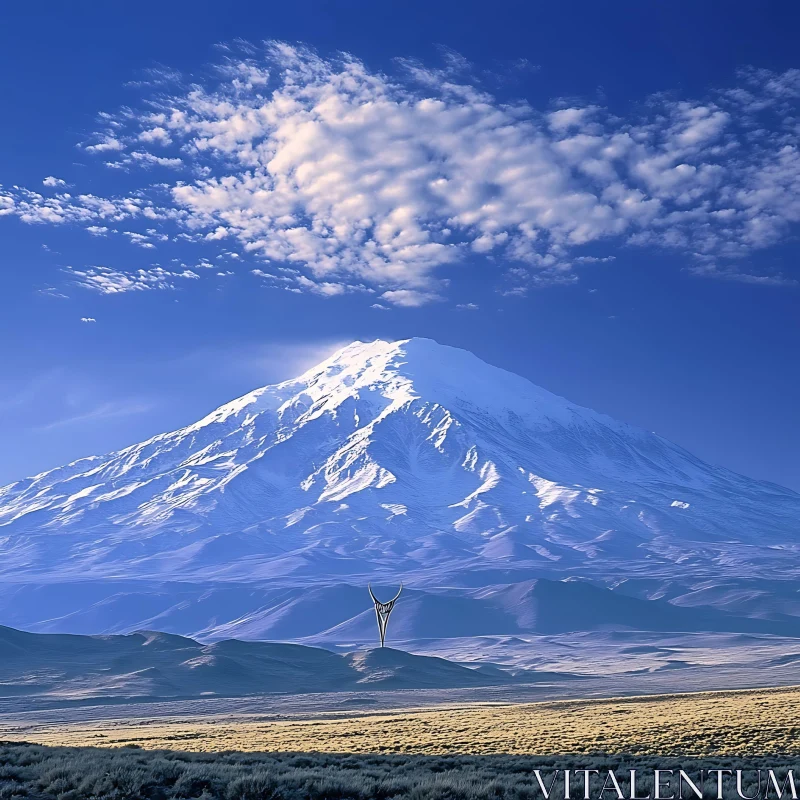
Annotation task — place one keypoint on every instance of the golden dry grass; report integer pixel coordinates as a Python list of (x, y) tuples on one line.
[(752, 722)]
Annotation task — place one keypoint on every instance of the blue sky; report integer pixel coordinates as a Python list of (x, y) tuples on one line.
[(602, 197)]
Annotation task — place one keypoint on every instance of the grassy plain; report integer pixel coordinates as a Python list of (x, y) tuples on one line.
[(728, 723)]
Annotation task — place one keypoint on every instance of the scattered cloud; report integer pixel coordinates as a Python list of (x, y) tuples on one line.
[(340, 179), (736, 274), (88, 319), (139, 239), (51, 181), (144, 159), (86, 209), (593, 260), (107, 280), (468, 306), (294, 281), (155, 77)]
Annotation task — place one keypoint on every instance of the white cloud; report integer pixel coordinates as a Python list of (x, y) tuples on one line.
[(144, 159), (468, 306), (355, 181), (105, 145), (409, 298), (88, 319), (157, 134), (106, 280), (51, 181)]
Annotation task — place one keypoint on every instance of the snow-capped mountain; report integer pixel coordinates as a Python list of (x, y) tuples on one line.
[(403, 460)]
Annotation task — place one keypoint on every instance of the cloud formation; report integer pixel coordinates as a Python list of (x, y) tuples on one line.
[(342, 179)]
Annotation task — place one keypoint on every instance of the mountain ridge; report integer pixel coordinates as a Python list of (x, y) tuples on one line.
[(148, 665)]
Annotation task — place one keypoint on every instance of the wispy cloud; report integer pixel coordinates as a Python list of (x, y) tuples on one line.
[(740, 275), (105, 411), (353, 180), (53, 291), (259, 365), (21, 394)]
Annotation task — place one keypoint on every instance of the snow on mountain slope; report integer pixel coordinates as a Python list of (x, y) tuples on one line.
[(404, 458), (389, 461)]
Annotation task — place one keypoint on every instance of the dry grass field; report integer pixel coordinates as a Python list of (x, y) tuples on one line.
[(730, 723)]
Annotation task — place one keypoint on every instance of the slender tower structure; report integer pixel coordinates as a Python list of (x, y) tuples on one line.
[(382, 611)]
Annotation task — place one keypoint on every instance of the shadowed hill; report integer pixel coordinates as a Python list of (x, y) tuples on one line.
[(149, 664)]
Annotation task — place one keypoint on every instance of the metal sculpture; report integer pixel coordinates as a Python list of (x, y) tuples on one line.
[(382, 611)]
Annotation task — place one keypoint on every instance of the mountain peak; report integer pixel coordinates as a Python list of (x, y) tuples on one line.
[(381, 352), (407, 455), (441, 374)]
